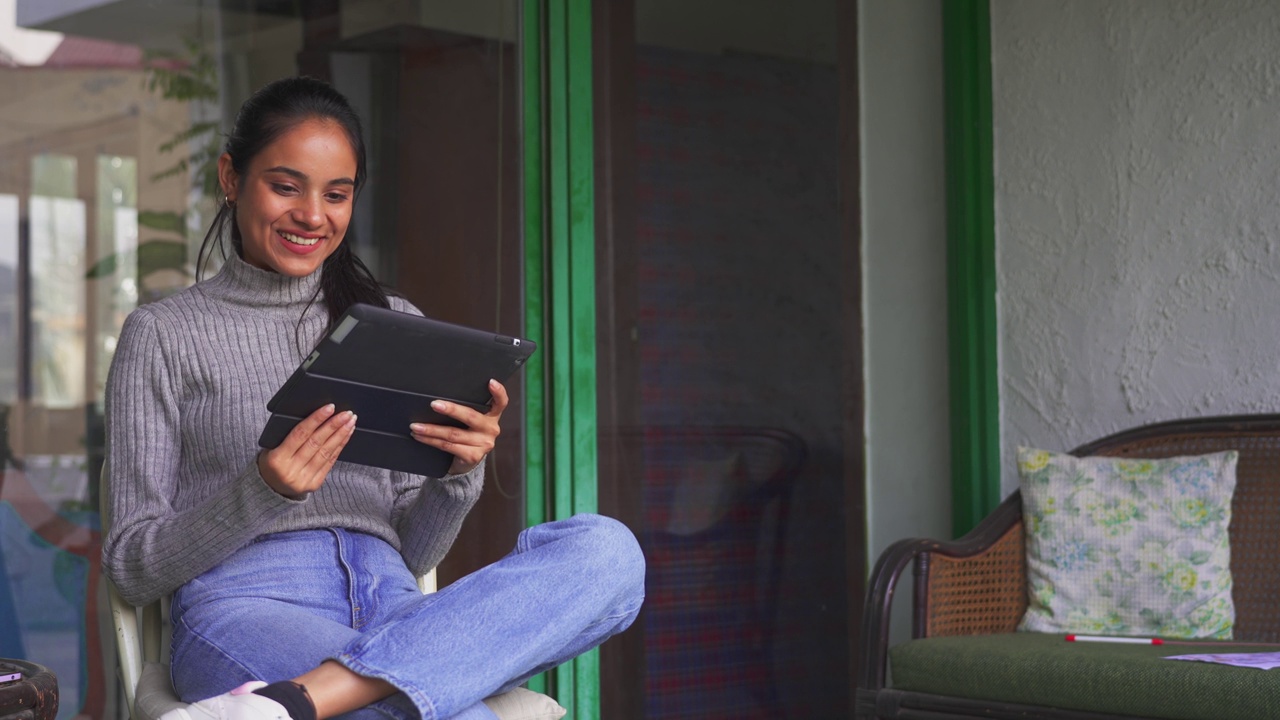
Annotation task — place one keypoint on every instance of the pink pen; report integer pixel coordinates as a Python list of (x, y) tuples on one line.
[(1108, 639)]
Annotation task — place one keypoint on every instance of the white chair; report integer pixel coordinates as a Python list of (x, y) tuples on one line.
[(142, 643)]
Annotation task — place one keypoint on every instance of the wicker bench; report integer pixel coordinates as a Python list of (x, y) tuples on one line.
[(966, 660)]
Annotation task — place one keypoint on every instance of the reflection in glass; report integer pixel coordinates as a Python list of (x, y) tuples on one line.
[(116, 293), (49, 556), (57, 301), (108, 201), (9, 348), (729, 311)]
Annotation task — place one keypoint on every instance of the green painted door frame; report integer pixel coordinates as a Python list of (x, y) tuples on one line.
[(559, 279), (971, 266), (560, 422)]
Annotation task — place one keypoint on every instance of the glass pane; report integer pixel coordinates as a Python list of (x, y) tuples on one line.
[(115, 115), (117, 233), (9, 350), (728, 319), (57, 301)]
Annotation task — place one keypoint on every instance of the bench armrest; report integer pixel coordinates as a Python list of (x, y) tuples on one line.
[(971, 586)]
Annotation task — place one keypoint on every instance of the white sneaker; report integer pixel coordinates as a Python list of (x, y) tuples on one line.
[(239, 704)]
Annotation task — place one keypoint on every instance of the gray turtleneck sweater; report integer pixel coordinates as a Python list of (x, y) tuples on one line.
[(186, 399)]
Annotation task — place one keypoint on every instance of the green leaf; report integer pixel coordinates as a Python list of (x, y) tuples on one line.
[(156, 255), (177, 169), (1199, 557), (104, 267), (187, 135), (151, 256), (167, 221), (189, 75)]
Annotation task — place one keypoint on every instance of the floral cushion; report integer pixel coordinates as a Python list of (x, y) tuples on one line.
[(1127, 546)]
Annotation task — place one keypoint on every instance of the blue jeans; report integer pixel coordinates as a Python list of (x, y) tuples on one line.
[(288, 601)]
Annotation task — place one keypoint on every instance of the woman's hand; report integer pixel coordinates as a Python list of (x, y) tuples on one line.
[(468, 445), (306, 455)]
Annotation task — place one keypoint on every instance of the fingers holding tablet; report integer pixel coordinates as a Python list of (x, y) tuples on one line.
[(388, 366), (469, 444), (300, 463)]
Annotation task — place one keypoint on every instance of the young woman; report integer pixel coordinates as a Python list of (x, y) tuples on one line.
[(293, 576)]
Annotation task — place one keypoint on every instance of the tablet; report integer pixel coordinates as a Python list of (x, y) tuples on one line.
[(387, 366)]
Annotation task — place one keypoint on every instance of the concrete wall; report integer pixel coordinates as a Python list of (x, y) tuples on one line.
[(1137, 153), (1137, 161), (904, 274)]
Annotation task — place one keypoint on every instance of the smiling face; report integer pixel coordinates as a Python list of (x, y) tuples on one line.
[(293, 203)]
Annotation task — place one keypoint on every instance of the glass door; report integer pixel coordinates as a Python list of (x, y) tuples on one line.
[(114, 112), (729, 351)]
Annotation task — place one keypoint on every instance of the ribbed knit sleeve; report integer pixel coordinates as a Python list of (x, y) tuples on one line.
[(152, 547), (429, 513)]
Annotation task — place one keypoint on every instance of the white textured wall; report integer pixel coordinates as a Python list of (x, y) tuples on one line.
[(1137, 149)]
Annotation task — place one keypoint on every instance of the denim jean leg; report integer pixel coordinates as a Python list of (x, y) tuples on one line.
[(283, 605), (565, 588), (239, 622)]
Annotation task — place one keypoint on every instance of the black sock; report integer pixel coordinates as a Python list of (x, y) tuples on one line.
[(292, 696)]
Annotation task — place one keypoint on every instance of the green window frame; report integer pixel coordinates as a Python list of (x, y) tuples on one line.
[(559, 278), (971, 266)]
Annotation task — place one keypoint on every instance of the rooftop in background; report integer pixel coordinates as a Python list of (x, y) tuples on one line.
[(762, 27), (22, 47), (82, 52)]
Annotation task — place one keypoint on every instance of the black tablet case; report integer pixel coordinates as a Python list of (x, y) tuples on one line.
[(386, 367)]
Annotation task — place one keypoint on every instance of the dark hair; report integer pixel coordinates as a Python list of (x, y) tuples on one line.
[(264, 117)]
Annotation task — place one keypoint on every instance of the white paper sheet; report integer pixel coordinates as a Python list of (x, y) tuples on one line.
[(1260, 660)]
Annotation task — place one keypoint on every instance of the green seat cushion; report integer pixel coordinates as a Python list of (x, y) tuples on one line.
[(1121, 679)]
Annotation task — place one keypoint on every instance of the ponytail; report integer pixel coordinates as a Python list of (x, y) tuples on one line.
[(346, 280)]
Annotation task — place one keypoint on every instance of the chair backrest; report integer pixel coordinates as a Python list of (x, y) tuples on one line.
[(716, 503), (139, 633), (133, 646), (1255, 505), (995, 583)]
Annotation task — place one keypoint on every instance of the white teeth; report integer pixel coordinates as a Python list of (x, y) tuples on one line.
[(298, 240)]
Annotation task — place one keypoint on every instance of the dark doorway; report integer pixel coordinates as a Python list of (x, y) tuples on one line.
[(730, 358)]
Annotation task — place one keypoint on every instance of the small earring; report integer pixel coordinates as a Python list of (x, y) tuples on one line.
[(226, 199)]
